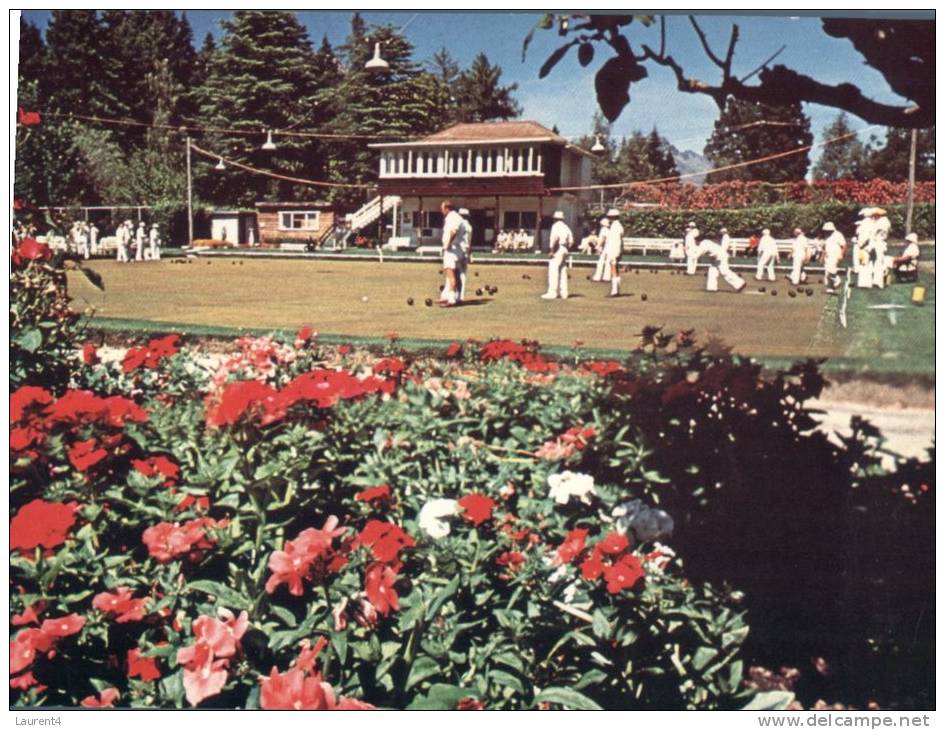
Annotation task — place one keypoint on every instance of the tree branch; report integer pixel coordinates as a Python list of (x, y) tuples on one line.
[(770, 58), (705, 44)]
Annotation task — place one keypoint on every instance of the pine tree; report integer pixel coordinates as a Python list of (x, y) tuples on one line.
[(633, 159), (604, 168), (659, 156), (890, 161), (747, 131), (479, 95), (844, 159), (260, 78), (31, 52)]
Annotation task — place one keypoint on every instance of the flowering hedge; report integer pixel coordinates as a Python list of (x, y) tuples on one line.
[(780, 218), (753, 193)]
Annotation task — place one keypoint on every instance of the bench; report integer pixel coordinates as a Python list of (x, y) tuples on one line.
[(429, 249), (294, 247), (397, 243)]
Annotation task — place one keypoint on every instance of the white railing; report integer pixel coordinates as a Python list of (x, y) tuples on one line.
[(481, 162), (371, 211)]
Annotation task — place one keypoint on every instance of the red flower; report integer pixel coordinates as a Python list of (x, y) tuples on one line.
[(83, 455), (391, 365), (303, 336), (106, 699), (57, 628), (379, 582), (623, 574), (22, 439), (372, 494), (613, 544), (592, 567), (454, 351), (31, 250), (28, 119), (203, 676), (144, 667), (200, 504), (167, 541), (296, 562), (477, 508), (90, 354), (572, 546), (307, 656), (343, 349), (41, 524), (470, 703), (511, 560), (385, 539), (223, 638), (295, 691), (26, 396), (239, 398), (155, 465), (25, 681), (151, 354), (121, 603), (22, 650), (29, 616)]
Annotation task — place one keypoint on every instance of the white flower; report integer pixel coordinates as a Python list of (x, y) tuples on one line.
[(432, 516), (569, 484), (646, 523)]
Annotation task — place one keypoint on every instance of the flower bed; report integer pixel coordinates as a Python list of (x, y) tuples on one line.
[(303, 527)]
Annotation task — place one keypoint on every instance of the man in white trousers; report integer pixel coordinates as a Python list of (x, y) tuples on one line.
[(122, 237), (725, 241), (718, 264), (614, 248), (876, 247), (93, 238), (560, 242), (82, 240), (800, 255), (834, 249), (691, 244), (453, 233), (140, 236), (767, 255), (602, 272), (466, 259), (154, 241)]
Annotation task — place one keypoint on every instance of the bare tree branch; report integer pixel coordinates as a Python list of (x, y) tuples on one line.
[(770, 58), (730, 53), (705, 43)]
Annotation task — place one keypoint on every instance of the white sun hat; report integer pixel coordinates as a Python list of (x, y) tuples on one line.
[(613, 213), (558, 215), (828, 226)]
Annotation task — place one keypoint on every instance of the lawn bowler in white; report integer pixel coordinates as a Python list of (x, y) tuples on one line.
[(906, 265), (725, 241), (140, 236), (767, 255), (453, 232), (691, 244), (466, 259), (154, 242), (834, 248), (614, 248), (800, 255), (718, 264), (82, 240), (560, 242), (601, 272), (876, 247), (122, 238), (93, 238)]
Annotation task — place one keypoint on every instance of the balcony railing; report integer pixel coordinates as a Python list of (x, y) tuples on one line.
[(462, 162)]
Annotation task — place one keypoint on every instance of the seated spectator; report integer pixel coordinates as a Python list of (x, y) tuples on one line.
[(906, 265), (677, 251), (590, 244)]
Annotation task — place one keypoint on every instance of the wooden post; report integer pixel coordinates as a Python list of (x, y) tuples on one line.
[(380, 220), (541, 244), (495, 227), (910, 199), (190, 200), (420, 221)]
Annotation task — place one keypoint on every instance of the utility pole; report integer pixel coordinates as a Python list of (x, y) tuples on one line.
[(911, 194), (190, 201)]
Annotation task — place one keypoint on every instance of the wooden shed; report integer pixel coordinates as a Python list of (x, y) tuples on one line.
[(306, 222)]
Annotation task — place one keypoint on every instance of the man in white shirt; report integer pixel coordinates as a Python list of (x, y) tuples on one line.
[(767, 255), (718, 264), (93, 238), (800, 255), (691, 244), (834, 249), (466, 258), (560, 242), (726, 242), (453, 234), (123, 236), (140, 235), (876, 248), (601, 271), (154, 242), (906, 265), (613, 249)]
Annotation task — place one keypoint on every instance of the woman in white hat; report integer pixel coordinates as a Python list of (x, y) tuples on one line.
[(613, 248), (601, 272), (559, 243)]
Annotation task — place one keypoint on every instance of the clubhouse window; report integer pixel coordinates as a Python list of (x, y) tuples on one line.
[(298, 220)]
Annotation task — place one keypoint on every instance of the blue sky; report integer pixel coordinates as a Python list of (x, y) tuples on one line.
[(566, 97)]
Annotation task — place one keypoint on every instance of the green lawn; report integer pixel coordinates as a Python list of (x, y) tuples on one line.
[(226, 296)]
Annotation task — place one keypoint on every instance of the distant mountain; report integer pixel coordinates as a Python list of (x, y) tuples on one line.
[(688, 161)]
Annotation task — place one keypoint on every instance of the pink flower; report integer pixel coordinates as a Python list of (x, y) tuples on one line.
[(143, 667), (106, 699), (203, 676), (121, 603), (379, 582)]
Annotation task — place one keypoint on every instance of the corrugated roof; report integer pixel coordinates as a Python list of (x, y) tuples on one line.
[(469, 132)]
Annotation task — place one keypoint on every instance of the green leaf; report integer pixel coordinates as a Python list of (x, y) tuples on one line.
[(590, 678), (339, 641), (444, 594), (172, 687), (225, 595), (507, 680), (442, 697), (545, 23), (30, 339), (600, 625), (766, 701), (703, 656), (422, 668), (287, 617), (567, 698)]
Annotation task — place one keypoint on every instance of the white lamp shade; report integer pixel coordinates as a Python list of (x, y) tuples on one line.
[(219, 165), (598, 147), (377, 64), (269, 144)]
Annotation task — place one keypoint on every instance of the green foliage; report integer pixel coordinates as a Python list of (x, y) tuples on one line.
[(749, 131), (890, 160), (781, 219), (845, 159), (479, 95)]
